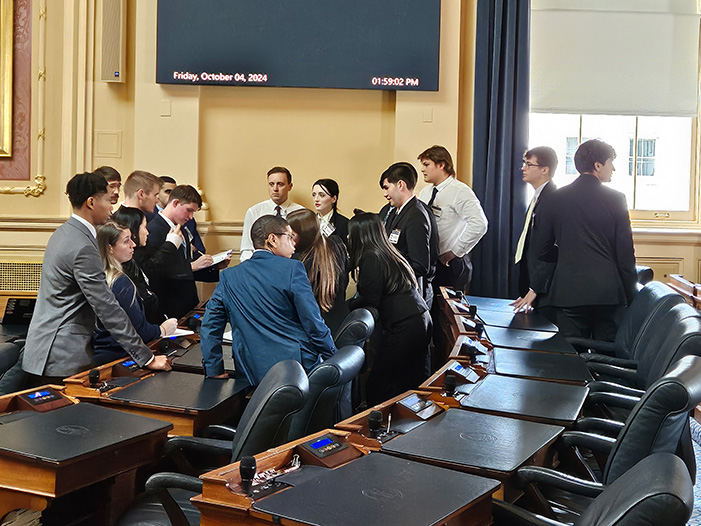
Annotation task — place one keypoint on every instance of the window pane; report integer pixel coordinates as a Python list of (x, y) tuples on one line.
[(664, 163)]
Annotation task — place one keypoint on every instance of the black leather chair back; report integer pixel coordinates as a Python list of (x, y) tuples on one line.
[(656, 423), (678, 334), (645, 274), (327, 383), (643, 316), (355, 329), (657, 490), (266, 421)]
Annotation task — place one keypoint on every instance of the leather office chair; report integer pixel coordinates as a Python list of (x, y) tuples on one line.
[(643, 314), (677, 333), (264, 424), (645, 274), (325, 404), (355, 329), (657, 490), (655, 425)]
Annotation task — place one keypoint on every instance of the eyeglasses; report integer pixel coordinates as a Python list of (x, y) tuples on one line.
[(291, 236), (529, 165), (114, 184)]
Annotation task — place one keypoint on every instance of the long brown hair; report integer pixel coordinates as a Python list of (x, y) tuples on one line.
[(313, 248)]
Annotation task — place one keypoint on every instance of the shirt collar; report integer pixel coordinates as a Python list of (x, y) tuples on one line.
[(399, 210), (326, 218), (445, 183), (539, 190), (87, 223), (170, 223)]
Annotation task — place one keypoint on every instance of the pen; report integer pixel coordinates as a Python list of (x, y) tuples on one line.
[(389, 422)]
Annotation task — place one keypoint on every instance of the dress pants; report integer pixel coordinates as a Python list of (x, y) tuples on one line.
[(401, 360)]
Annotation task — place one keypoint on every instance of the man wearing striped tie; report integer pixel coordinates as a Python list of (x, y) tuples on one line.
[(539, 165), (459, 217)]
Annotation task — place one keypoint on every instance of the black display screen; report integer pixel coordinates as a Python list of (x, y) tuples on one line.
[(361, 44)]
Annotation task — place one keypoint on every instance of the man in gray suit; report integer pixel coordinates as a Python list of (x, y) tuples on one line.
[(73, 290)]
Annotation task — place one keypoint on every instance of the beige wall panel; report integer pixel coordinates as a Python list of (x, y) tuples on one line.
[(343, 134)]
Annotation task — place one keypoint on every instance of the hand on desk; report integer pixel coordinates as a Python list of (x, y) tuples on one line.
[(160, 363), (168, 327), (524, 304), (201, 262), (222, 376)]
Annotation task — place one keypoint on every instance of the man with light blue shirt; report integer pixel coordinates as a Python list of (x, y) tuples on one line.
[(271, 308)]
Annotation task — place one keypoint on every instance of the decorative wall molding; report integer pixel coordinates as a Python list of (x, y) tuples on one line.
[(36, 189)]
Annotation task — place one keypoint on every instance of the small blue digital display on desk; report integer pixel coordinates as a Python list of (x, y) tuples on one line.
[(129, 363), (38, 394), (321, 443)]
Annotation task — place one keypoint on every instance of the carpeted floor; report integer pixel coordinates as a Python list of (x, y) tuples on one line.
[(696, 435)]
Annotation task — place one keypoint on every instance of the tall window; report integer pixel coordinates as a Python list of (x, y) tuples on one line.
[(654, 157)]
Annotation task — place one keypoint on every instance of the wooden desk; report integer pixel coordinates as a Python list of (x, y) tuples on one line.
[(547, 366), (487, 445), (47, 455), (188, 401), (362, 490), (528, 340), (521, 398)]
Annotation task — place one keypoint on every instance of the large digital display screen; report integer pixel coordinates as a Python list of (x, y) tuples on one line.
[(358, 44)]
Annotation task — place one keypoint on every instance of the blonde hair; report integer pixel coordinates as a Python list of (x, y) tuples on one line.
[(107, 235)]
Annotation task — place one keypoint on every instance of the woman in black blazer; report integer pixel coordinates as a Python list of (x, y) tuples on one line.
[(386, 282), (325, 195)]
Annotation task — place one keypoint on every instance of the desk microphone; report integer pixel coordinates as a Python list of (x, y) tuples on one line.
[(449, 384), (194, 323), (164, 345), (374, 423), (247, 470), (94, 378)]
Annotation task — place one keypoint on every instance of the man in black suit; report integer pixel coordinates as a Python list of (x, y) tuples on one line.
[(594, 277), (167, 259), (410, 226), (539, 165)]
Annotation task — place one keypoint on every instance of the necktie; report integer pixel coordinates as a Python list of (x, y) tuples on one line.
[(278, 211), (524, 233), (433, 196)]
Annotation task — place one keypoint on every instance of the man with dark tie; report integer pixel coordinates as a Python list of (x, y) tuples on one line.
[(410, 227), (167, 258), (270, 305), (279, 186), (539, 165), (459, 217)]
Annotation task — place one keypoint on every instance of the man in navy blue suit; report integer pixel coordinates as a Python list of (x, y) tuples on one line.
[(271, 307)]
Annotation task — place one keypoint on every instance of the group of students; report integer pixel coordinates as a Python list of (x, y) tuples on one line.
[(393, 257)]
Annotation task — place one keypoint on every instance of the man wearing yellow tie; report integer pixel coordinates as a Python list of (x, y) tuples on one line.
[(539, 165)]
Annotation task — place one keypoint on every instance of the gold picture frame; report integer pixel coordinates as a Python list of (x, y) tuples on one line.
[(6, 52)]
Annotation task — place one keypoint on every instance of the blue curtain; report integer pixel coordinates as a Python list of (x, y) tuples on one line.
[(500, 138)]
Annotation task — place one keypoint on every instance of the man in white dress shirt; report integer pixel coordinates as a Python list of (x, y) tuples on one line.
[(459, 216), (279, 186)]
